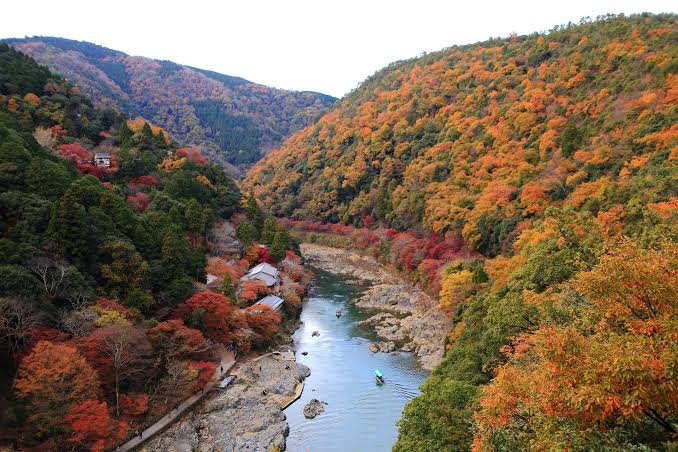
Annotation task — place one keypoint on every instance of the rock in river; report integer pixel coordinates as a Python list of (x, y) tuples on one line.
[(314, 408)]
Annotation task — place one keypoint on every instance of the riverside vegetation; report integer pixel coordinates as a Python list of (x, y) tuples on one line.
[(105, 320)]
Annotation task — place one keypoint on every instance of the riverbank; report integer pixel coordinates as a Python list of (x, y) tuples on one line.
[(247, 416), (408, 319)]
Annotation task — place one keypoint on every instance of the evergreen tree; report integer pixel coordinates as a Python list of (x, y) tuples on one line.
[(255, 214), (227, 287), (176, 255), (278, 246), (268, 231), (124, 135), (195, 217), (246, 233), (69, 228)]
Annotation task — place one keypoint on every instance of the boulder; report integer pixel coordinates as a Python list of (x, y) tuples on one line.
[(314, 408)]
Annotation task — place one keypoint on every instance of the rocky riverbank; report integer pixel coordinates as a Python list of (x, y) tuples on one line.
[(247, 416), (408, 319)]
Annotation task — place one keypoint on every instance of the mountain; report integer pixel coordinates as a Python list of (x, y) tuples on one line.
[(487, 133), (547, 166), (107, 235), (232, 119)]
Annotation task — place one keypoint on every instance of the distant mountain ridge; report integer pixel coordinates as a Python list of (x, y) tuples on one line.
[(233, 119)]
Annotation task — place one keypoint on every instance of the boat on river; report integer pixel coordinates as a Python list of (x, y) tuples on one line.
[(379, 375), (338, 313)]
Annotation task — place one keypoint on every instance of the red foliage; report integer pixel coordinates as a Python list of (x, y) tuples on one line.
[(139, 202), (74, 152), (263, 320), (173, 339), (292, 256), (97, 171), (421, 254), (92, 427), (192, 155), (217, 315), (205, 373), (133, 404), (251, 290), (256, 254), (149, 180)]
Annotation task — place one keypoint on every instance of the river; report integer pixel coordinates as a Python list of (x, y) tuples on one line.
[(360, 415)]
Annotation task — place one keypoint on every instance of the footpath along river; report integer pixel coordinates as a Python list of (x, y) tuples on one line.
[(360, 415)]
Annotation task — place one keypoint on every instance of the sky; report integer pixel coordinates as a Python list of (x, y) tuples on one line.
[(317, 45)]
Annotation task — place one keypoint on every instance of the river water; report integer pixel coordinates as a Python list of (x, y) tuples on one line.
[(360, 415)]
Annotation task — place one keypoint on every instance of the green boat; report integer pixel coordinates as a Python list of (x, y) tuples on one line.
[(379, 375)]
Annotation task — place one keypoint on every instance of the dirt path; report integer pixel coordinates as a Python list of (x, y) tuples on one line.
[(227, 361)]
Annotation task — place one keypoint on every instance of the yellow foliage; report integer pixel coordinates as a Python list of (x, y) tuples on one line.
[(171, 164), (455, 288), (109, 318)]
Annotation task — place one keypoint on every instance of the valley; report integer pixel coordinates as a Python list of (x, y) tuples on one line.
[(490, 226)]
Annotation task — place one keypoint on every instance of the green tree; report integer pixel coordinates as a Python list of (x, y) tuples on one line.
[(254, 214), (268, 231), (176, 255), (141, 300), (246, 233), (227, 287), (278, 246), (69, 228), (48, 179), (127, 270)]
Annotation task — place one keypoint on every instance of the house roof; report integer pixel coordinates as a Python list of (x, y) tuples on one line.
[(264, 267), (263, 272), (272, 301), (102, 155)]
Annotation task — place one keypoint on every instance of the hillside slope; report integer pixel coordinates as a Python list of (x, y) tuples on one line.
[(531, 183), (488, 134), (231, 118)]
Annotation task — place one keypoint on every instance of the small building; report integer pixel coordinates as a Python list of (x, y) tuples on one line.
[(102, 159), (263, 272), (272, 301)]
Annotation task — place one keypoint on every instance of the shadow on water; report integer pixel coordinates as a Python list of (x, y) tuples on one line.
[(361, 415)]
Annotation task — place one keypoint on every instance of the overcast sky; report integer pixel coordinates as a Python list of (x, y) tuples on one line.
[(304, 45)]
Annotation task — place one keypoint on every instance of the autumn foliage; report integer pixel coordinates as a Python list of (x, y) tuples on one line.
[(53, 379), (74, 152), (192, 155), (92, 428)]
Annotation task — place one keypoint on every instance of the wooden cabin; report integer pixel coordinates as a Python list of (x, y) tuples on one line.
[(102, 159)]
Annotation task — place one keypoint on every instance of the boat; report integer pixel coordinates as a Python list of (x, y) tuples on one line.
[(338, 313), (379, 375)]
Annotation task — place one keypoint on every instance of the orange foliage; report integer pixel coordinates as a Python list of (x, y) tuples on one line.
[(92, 427)]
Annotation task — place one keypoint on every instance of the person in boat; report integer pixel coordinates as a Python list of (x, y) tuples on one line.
[(338, 312), (379, 376)]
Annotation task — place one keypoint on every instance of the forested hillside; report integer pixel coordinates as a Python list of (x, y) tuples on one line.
[(232, 119), (531, 183), (105, 323)]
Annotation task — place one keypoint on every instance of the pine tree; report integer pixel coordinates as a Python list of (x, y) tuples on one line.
[(125, 134), (246, 233), (227, 287), (278, 246), (255, 214), (268, 232), (69, 229)]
